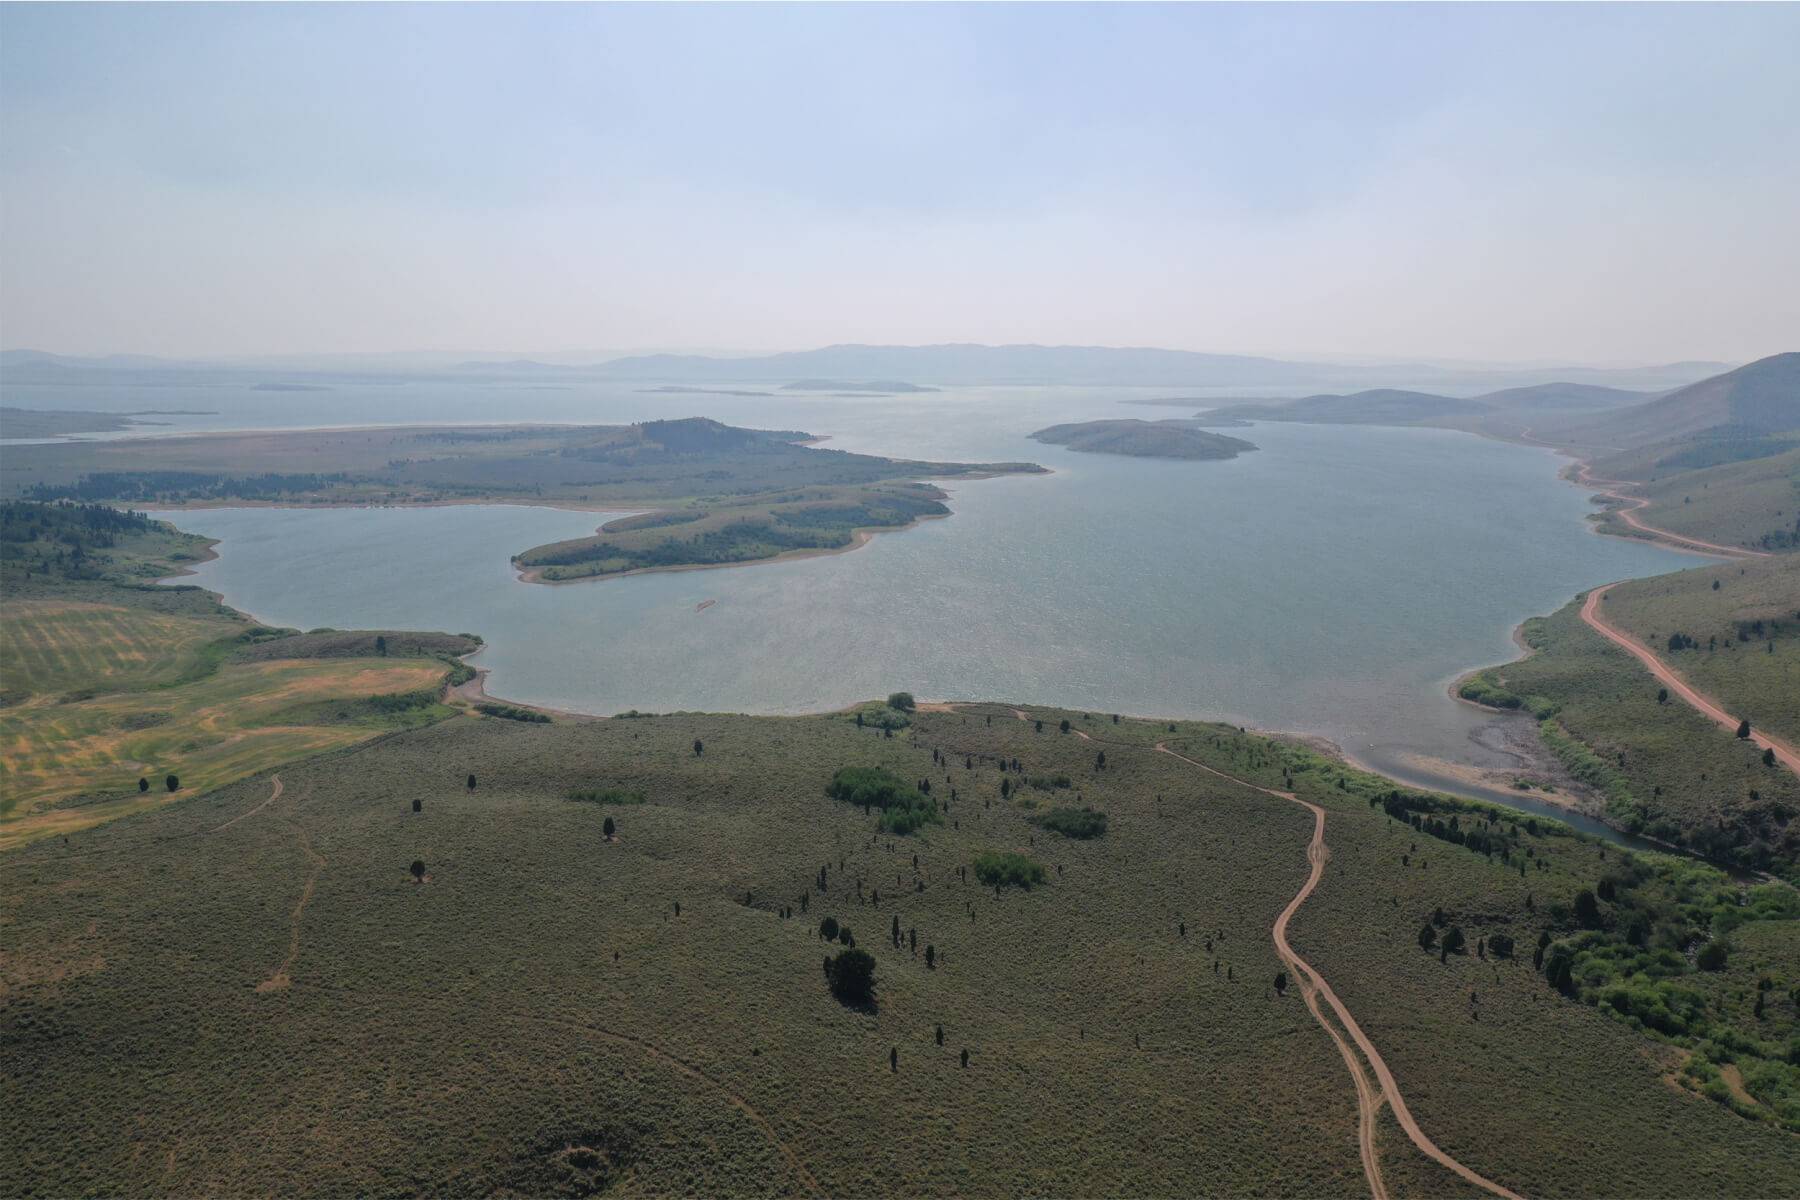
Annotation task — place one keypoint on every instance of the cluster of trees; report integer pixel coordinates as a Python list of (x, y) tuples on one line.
[(1480, 835), (903, 806), (1007, 868), (508, 712)]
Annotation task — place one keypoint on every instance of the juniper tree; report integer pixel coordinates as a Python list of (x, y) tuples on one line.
[(143, 784), (418, 869), (699, 748), (471, 783), (173, 783), (608, 828)]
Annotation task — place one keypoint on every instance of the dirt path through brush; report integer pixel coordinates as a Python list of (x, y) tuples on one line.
[(1386, 1089), (274, 795), (1317, 853), (1785, 754), (280, 978)]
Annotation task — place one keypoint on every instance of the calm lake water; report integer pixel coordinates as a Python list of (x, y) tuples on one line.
[(1332, 582)]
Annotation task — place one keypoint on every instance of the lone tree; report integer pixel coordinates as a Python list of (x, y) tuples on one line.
[(902, 701), (1281, 983), (699, 748), (1065, 725), (381, 645), (608, 828), (931, 957), (1427, 937), (852, 976), (1769, 756), (1100, 761), (1744, 728), (828, 929), (1662, 695), (1587, 909), (173, 783), (418, 870), (471, 783), (418, 804), (143, 784)]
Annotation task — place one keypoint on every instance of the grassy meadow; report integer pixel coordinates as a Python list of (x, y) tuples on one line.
[(268, 1000), (106, 681), (1746, 633)]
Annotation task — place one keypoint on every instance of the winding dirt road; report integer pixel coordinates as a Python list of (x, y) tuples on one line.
[(1369, 1097), (1633, 504), (1785, 754), (1317, 853)]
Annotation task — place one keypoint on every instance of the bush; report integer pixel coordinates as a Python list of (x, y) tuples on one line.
[(1074, 822), (606, 796), (853, 977), (903, 807), (1045, 783), (1008, 868), (1501, 944), (508, 712), (1712, 956), (903, 701)]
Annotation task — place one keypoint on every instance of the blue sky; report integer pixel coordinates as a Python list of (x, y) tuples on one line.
[(1594, 183)]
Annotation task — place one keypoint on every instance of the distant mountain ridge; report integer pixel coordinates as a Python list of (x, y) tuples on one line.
[(966, 364), (1756, 399)]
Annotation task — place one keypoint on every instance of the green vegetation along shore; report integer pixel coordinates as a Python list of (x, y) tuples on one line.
[(643, 963), (1144, 439), (1662, 768)]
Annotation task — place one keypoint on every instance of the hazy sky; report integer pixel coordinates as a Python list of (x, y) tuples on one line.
[(1610, 183)]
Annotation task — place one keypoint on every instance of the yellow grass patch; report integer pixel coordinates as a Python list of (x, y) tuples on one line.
[(209, 733), (60, 646)]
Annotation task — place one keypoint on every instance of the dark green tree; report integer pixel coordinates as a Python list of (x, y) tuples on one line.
[(1427, 936), (828, 929), (699, 748), (471, 783), (381, 645), (1587, 909), (608, 828), (852, 975), (1744, 728), (143, 784), (172, 782), (1281, 983), (418, 869)]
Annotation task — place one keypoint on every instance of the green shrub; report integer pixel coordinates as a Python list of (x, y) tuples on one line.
[(903, 807), (1008, 868), (1074, 822), (1045, 783), (508, 712)]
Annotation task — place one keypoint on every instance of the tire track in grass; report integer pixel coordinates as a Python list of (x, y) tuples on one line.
[(280, 978)]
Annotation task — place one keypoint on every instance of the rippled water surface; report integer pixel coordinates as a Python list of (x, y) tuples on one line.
[(1333, 581)]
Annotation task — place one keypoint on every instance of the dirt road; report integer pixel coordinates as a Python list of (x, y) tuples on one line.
[(1369, 1097), (1785, 754), (1632, 504), (1317, 853)]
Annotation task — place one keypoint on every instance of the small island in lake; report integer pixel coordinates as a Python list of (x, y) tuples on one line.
[(1144, 439), (868, 387)]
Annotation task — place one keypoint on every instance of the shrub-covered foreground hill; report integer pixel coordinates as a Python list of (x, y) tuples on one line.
[(395, 978)]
